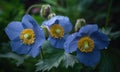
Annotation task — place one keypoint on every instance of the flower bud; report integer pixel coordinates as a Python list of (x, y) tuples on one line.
[(51, 15), (79, 23), (45, 10)]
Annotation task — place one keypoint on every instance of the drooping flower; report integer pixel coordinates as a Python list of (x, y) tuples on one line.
[(87, 42), (26, 36), (58, 27)]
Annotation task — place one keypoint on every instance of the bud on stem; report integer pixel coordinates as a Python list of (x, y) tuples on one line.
[(79, 23), (51, 15), (45, 10)]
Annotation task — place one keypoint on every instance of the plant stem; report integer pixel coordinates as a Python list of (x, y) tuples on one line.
[(42, 55), (108, 13), (35, 5)]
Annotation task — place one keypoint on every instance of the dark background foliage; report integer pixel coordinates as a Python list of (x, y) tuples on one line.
[(94, 11)]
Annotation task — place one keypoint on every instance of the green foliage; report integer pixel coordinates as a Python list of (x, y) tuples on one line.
[(106, 64), (54, 58), (109, 33), (9, 11), (19, 59)]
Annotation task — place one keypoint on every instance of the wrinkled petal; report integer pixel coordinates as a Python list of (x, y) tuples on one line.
[(19, 47), (35, 51), (50, 22), (13, 30), (57, 43), (39, 36), (88, 29), (28, 21), (65, 23), (61, 20), (70, 45), (100, 40), (89, 59), (39, 40)]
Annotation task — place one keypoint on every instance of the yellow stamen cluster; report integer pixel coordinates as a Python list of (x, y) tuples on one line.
[(56, 31), (86, 44), (27, 36)]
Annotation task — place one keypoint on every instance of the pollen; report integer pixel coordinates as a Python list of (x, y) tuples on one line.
[(86, 44), (56, 31), (27, 36)]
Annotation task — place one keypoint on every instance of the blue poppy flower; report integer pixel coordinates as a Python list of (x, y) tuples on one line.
[(87, 42), (58, 27), (26, 36)]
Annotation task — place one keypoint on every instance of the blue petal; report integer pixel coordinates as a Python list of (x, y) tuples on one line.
[(65, 23), (39, 40), (61, 20), (89, 59), (88, 29), (70, 44), (19, 47), (57, 43), (100, 40), (35, 50), (39, 35), (13, 30), (28, 21), (50, 22)]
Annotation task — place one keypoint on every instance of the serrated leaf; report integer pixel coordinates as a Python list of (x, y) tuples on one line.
[(110, 34), (115, 35), (106, 31), (19, 59), (69, 60), (64, 59), (54, 58), (47, 64)]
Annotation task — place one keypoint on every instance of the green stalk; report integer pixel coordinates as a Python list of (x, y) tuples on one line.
[(35, 5), (42, 55), (108, 13)]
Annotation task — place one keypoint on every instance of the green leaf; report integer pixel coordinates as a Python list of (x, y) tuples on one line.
[(18, 58), (64, 59), (106, 63), (52, 2), (69, 60), (54, 58), (109, 33), (115, 35), (47, 64)]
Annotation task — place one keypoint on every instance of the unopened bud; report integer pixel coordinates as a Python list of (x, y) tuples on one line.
[(79, 23), (45, 10), (51, 15)]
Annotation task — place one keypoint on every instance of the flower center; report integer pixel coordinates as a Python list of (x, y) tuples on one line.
[(56, 31), (86, 44), (27, 36)]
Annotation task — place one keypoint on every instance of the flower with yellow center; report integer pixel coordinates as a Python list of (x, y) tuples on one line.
[(86, 44), (56, 31), (27, 36), (58, 28)]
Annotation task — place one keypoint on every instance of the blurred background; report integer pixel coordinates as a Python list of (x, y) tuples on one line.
[(105, 13)]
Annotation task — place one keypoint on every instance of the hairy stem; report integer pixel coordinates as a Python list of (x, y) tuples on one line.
[(108, 13), (35, 5)]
